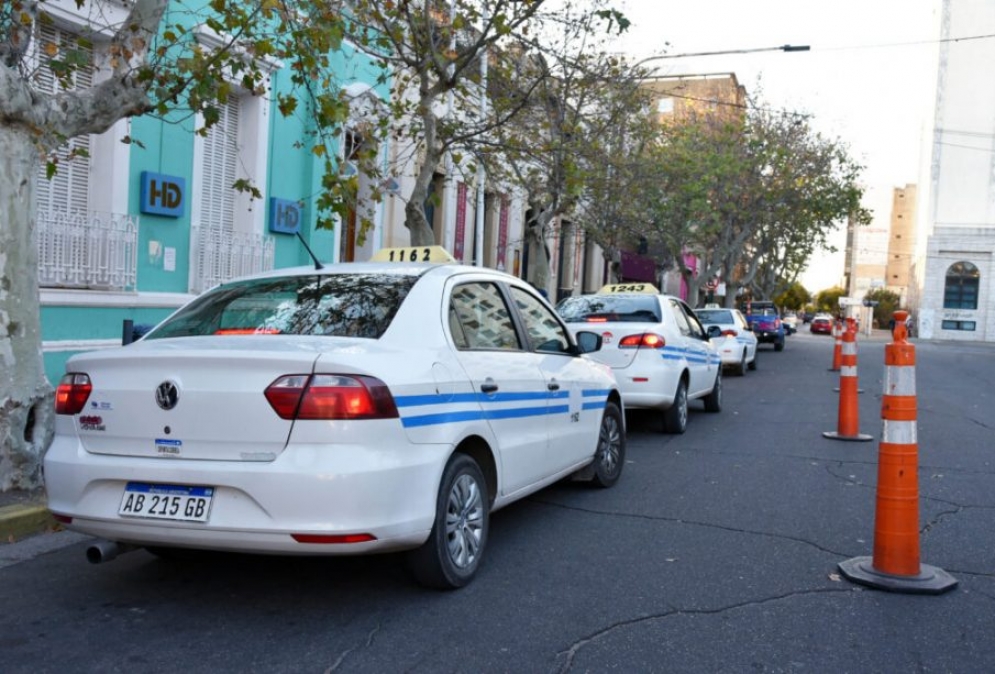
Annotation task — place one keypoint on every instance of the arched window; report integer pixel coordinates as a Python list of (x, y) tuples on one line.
[(961, 288)]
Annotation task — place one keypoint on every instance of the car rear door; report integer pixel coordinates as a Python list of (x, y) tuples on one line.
[(697, 350), (506, 379)]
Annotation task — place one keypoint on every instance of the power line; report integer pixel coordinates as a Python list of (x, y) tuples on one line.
[(906, 44)]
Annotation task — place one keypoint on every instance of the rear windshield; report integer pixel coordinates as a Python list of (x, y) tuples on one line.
[(610, 308), (341, 305), (714, 315)]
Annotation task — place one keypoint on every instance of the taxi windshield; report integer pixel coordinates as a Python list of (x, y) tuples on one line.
[(610, 308), (340, 305)]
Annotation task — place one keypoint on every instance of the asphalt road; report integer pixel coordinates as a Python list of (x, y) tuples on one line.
[(716, 552)]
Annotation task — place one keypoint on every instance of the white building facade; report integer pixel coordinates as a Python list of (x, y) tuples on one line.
[(953, 288)]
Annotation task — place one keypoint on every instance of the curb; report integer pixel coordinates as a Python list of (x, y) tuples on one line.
[(23, 520)]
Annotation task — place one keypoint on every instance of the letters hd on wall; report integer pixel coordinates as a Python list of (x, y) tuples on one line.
[(162, 194), (284, 216)]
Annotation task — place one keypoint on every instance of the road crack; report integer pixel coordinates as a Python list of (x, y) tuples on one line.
[(345, 654), (566, 657), (696, 523)]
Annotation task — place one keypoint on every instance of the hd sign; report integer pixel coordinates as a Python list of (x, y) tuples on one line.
[(284, 216), (162, 194)]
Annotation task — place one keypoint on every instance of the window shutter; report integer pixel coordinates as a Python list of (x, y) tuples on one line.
[(69, 189)]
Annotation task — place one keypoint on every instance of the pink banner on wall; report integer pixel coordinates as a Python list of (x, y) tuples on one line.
[(502, 242), (460, 221)]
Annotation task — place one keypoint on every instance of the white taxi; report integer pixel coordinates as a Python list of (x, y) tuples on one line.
[(659, 351), (346, 409), (737, 345)]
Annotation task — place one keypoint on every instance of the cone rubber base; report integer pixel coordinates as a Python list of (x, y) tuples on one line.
[(930, 579), (859, 437)]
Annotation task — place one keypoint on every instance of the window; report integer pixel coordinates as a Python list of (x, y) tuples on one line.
[(545, 332), (341, 305), (484, 317), (968, 326), (961, 288), (68, 191)]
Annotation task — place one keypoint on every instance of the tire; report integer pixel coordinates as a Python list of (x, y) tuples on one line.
[(450, 557), (740, 369), (609, 458), (779, 346), (713, 401), (753, 363), (675, 419)]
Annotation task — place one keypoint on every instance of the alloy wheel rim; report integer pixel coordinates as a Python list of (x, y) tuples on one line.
[(464, 521), (609, 445)]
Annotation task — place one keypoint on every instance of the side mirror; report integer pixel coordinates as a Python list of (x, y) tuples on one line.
[(714, 331), (588, 342)]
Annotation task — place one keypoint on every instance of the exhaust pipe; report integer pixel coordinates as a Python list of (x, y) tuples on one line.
[(105, 551)]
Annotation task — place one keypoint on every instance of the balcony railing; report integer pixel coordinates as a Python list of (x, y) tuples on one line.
[(87, 250), (220, 256)]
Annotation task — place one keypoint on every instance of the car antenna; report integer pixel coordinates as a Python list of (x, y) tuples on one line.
[(317, 262)]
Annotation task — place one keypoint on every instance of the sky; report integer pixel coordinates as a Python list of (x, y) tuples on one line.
[(867, 80)]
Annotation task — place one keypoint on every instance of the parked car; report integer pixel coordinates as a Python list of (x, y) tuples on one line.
[(657, 348), (822, 325), (346, 409), (737, 345), (790, 321), (765, 320)]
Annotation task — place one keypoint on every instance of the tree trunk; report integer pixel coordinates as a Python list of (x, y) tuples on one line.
[(26, 398), (535, 236)]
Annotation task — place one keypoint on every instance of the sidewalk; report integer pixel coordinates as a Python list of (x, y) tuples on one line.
[(22, 514)]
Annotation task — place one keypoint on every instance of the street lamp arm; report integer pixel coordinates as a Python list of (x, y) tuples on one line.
[(783, 47)]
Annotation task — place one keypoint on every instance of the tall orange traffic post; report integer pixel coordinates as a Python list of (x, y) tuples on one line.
[(837, 345), (895, 565), (848, 424)]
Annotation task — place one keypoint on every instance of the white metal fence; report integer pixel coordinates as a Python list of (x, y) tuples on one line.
[(220, 256), (87, 250)]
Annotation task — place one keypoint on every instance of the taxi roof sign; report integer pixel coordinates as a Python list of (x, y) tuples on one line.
[(618, 288), (413, 254)]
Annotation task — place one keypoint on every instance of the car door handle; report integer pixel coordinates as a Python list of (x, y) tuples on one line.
[(488, 386), (553, 385)]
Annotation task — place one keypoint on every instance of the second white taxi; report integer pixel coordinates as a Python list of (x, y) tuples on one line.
[(737, 345), (334, 410), (660, 353)]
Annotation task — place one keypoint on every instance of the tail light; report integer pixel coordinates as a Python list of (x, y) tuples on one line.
[(649, 340), (729, 333), (72, 393), (330, 396)]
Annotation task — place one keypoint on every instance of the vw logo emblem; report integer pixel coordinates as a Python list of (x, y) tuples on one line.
[(166, 395)]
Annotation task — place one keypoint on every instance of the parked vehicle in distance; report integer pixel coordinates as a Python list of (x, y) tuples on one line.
[(790, 321), (821, 325), (737, 346), (764, 319), (657, 348), (338, 410)]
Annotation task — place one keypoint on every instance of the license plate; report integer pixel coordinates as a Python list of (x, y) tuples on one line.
[(166, 502)]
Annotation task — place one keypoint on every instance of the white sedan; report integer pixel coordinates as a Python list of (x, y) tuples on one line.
[(345, 409), (659, 351), (737, 345)]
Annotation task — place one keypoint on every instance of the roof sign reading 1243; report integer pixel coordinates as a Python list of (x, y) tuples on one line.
[(615, 288), (413, 254)]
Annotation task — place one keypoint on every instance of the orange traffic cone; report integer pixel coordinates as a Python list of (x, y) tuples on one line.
[(895, 565), (847, 426), (837, 345)]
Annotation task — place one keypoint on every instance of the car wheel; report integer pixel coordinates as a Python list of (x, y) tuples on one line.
[(740, 368), (779, 346), (753, 363), (675, 419), (610, 455), (452, 553), (713, 401)]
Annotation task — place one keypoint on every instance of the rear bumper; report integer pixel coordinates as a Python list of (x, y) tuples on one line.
[(257, 506)]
